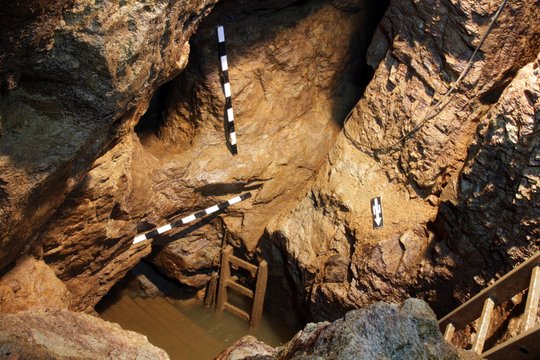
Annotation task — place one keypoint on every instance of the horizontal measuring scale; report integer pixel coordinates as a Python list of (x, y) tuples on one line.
[(190, 218)]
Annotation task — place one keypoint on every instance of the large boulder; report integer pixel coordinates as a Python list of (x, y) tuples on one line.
[(31, 284), (62, 334), (379, 331)]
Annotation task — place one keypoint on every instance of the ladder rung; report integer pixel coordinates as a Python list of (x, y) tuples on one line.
[(531, 306), (483, 327), (243, 264), (449, 332), (240, 288), (236, 311)]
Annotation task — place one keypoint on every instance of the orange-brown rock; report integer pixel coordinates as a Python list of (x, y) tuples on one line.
[(441, 230), (31, 284), (295, 100), (62, 334), (71, 75), (86, 242)]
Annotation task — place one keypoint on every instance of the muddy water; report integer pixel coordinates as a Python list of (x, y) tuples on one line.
[(187, 329)]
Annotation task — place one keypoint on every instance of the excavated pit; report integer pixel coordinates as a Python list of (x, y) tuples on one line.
[(268, 63), (89, 158)]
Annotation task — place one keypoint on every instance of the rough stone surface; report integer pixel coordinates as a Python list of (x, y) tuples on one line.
[(31, 284), (437, 236), (62, 334), (177, 161), (72, 74), (78, 178), (493, 213), (379, 331), (86, 241), (288, 106), (247, 347)]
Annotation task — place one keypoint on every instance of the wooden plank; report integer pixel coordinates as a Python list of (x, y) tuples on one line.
[(449, 332), (260, 291), (236, 311), (483, 327), (240, 289), (501, 291), (210, 297), (224, 276), (244, 265), (525, 346), (531, 307)]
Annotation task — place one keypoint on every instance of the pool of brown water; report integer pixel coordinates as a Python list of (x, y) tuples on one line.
[(187, 329)]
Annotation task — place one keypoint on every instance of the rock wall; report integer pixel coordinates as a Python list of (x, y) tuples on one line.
[(72, 76), (457, 180), (176, 161), (453, 158), (288, 108)]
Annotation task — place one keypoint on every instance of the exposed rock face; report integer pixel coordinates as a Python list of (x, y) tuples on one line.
[(379, 331), (31, 284), (76, 78), (499, 214), (283, 100), (247, 347), (72, 76), (86, 242), (62, 334), (288, 105), (419, 49)]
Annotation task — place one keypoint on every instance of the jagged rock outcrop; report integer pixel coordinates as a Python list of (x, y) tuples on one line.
[(31, 284), (86, 242), (36, 324), (62, 334), (80, 175), (177, 162), (493, 213), (398, 144), (74, 76), (381, 330)]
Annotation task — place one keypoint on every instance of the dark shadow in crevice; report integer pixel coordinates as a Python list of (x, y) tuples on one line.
[(154, 118), (494, 93), (359, 71), (283, 299)]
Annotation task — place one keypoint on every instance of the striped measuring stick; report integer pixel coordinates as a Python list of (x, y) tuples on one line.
[(226, 87), (190, 218)]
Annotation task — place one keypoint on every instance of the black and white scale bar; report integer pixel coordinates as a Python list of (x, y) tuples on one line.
[(190, 218), (376, 211), (226, 87)]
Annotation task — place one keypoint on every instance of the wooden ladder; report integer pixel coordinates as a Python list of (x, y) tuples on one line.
[(525, 345), (227, 281)]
